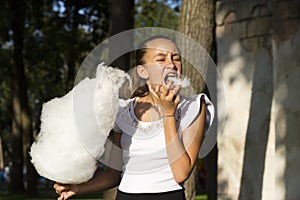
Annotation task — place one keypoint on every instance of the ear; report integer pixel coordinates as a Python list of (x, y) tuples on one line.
[(142, 72)]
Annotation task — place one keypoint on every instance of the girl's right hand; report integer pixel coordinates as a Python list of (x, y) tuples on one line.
[(65, 191), (166, 98)]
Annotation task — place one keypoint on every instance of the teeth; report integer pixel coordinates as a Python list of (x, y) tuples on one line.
[(170, 76)]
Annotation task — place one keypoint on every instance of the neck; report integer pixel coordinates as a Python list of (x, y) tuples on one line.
[(145, 110)]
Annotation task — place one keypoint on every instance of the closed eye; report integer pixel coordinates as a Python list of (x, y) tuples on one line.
[(161, 59), (176, 57)]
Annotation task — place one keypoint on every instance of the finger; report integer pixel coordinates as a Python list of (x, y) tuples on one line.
[(173, 93), (153, 94), (169, 84), (56, 185), (164, 90), (60, 188), (158, 90), (177, 100), (176, 89), (65, 196), (150, 88)]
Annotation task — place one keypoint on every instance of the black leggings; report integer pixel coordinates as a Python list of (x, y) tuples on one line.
[(172, 195)]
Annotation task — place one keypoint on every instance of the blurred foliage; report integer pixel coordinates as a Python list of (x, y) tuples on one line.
[(57, 37), (157, 13), (56, 31)]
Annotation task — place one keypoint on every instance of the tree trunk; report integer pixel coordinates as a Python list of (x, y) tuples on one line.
[(17, 9), (21, 124), (73, 46), (121, 19), (1, 156), (196, 20), (190, 185)]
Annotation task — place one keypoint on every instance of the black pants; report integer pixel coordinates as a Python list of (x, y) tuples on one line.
[(172, 195)]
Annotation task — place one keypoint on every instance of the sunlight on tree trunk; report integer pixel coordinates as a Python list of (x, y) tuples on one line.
[(196, 20), (1, 155)]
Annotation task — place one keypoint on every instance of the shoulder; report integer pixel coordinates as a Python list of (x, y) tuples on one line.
[(125, 106), (123, 114), (189, 109), (124, 102)]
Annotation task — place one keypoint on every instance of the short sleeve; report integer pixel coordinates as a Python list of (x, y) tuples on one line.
[(122, 107), (189, 109), (116, 129)]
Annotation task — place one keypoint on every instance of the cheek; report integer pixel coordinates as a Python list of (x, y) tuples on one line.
[(156, 74)]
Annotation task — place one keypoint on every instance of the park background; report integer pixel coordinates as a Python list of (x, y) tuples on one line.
[(253, 42)]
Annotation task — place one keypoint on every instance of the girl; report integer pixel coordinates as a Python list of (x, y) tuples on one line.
[(160, 134)]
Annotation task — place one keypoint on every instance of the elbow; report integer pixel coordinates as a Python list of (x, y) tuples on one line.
[(181, 177), (115, 177), (182, 173), (117, 181)]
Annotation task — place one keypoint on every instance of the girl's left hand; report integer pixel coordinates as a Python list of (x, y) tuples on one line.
[(167, 100)]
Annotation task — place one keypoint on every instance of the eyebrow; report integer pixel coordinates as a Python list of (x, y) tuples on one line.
[(163, 54)]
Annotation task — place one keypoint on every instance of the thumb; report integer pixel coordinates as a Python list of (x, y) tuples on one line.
[(63, 196), (60, 197)]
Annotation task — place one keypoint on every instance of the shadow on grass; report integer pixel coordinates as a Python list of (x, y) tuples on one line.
[(49, 196), (45, 191)]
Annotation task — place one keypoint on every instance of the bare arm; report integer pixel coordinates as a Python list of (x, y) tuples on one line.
[(102, 181), (182, 155)]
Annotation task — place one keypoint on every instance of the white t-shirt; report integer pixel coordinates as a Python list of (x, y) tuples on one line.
[(146, 167)]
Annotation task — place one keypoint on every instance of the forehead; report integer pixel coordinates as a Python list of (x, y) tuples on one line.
[(162, 44)]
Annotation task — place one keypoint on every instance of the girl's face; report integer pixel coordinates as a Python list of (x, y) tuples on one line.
[(162, 62)]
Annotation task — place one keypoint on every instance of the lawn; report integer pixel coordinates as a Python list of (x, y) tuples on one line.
[(47, 193), (53, 196)]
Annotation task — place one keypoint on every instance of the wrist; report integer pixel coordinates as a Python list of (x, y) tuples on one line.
[(168, 115), (76, 188)]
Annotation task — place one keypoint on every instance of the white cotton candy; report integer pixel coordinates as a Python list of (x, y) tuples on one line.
[(178, 81), (74, 128)]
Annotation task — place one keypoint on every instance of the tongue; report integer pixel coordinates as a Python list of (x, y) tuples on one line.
[(169, 78)]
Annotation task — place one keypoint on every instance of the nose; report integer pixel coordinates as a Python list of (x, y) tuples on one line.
[(170, 63)]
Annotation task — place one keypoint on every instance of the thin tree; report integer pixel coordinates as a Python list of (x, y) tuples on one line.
[(17, 9), (121, 19), (196, 20)]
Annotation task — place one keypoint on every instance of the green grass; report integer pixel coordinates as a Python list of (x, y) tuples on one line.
[(46, 192), (46, 196), (201, 197), (53, 196)]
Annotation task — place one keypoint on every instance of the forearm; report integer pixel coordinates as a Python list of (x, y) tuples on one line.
[(100, 182), (180, 161), (183, 153)]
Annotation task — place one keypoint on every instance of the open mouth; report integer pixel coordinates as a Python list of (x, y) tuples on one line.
[(170, 77)]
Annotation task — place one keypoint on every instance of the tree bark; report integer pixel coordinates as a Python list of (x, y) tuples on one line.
[(1, 155), (17, 9), (121, 19), (197, 20), (73, 49), (190, 185), (22, 136)]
